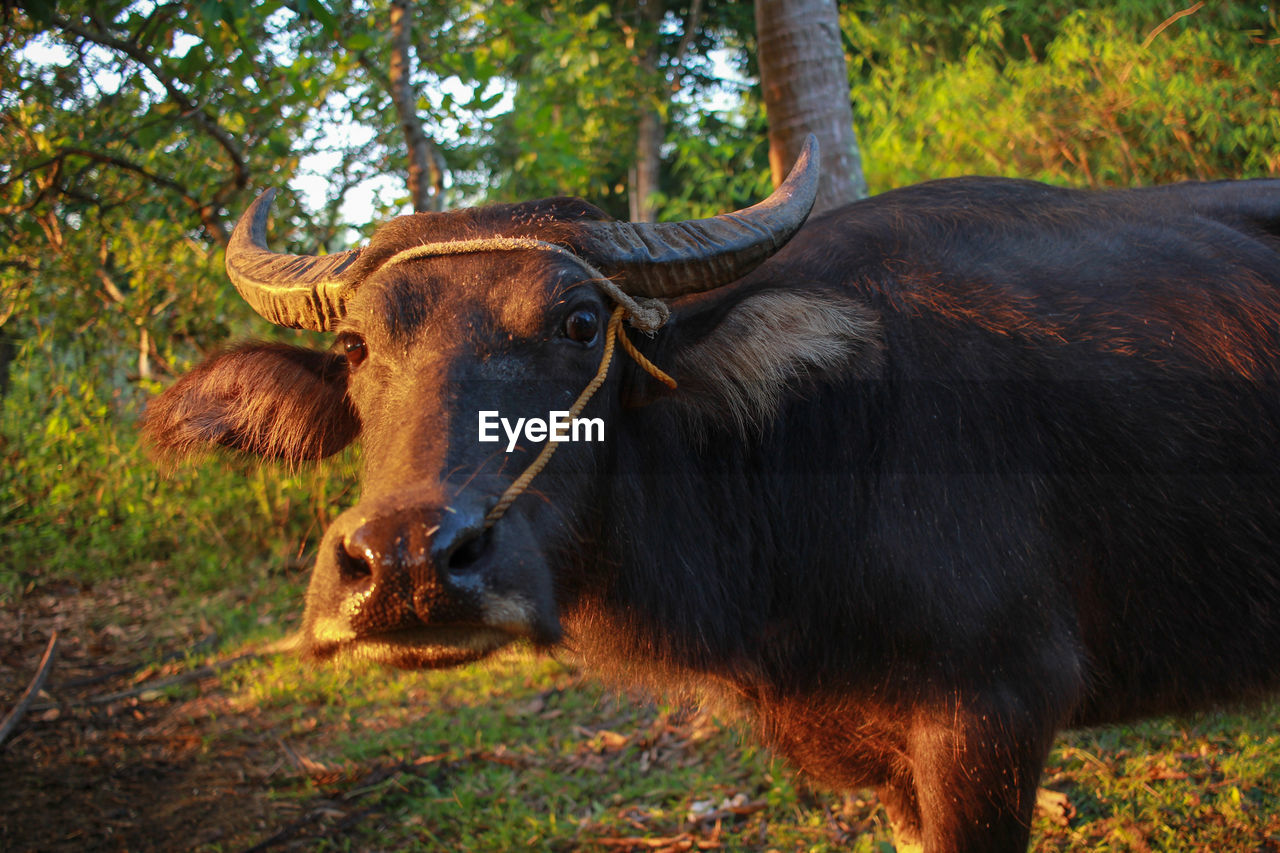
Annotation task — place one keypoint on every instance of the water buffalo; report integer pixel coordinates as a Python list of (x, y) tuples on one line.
[(943, 471)]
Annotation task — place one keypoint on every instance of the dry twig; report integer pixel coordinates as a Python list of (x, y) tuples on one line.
[(37, 682)]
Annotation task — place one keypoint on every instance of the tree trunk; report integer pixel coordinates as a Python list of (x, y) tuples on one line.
[(643, 176), (426, 172), (806, 90), (8, 349), (646, 169)]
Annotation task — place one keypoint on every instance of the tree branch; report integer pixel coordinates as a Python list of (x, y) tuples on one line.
[(691, 25), (37, 682), (207, 211), (190, 108)]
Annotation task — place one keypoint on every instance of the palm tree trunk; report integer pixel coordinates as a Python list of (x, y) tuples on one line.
[(806, 90)]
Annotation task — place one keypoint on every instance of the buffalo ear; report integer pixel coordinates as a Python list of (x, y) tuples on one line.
[(270, 400), (742, 353)]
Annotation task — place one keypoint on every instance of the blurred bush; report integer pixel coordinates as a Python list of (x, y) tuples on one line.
[(1086, 94)]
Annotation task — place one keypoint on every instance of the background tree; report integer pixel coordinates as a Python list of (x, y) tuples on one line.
[(607, 99), (129, 132), (806, 90)]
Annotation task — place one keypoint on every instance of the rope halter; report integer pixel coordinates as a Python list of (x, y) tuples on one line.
[(647, 315), (614, 332)]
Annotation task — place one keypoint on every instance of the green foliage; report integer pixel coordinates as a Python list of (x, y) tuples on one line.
[(1100, 95), (583, 71), (129, 131), (720, 162), (80, 498)]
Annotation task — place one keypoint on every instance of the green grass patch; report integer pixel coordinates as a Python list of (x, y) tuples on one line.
[(527, 753)]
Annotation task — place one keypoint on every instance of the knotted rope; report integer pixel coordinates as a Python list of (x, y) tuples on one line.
[(613, 333)]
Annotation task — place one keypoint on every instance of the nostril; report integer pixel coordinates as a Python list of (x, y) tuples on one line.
[(467, 551), (353, 565)]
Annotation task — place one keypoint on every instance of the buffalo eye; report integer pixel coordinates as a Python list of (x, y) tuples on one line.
[(582, 326), (354, 348)]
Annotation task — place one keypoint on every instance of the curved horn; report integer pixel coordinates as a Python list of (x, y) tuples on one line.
[(674, 258), (299, 291)]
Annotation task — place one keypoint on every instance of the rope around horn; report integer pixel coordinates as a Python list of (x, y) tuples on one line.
[(613, 333), (644, 313)]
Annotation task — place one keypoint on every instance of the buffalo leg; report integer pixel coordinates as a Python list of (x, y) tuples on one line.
[(899, 801), (976, 777)]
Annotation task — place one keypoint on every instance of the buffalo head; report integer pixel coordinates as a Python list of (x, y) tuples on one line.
[(439, 319)]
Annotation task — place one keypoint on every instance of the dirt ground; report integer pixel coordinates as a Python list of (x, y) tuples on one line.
[(104, 759), (135, 744)]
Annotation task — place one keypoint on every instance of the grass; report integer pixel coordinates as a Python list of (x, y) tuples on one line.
[(526, 753), (1211, 782)]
